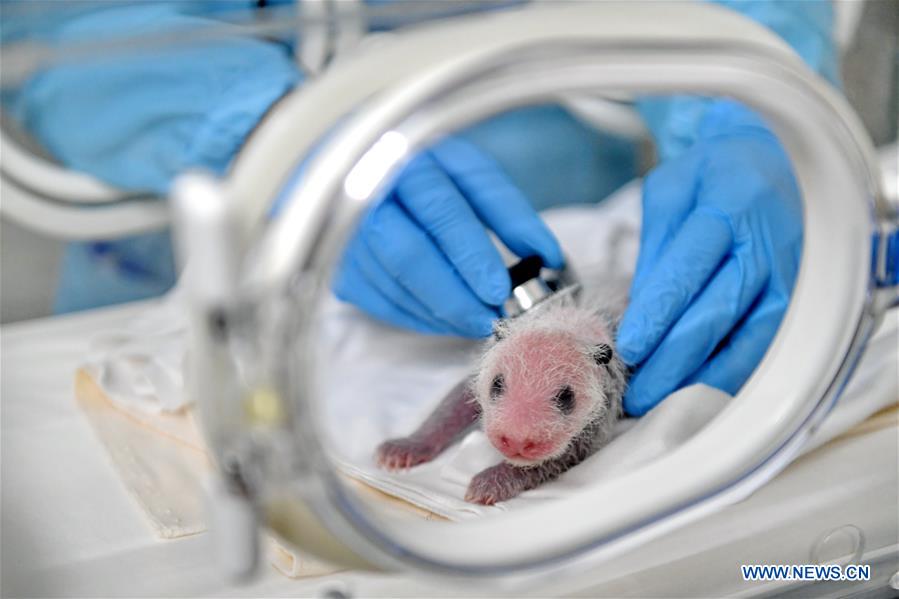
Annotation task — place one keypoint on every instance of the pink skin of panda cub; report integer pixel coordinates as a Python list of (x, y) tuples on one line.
[(547, 392)]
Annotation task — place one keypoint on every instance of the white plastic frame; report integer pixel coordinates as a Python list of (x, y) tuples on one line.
[(66, 204)]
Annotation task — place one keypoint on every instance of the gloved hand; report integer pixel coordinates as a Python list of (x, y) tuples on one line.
[(720, 248), (422, 259)]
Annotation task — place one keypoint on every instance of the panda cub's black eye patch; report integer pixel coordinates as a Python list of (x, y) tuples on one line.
[(564, 400), (497, 387)]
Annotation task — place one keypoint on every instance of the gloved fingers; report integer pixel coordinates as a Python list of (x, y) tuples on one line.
[(431, 197), (351, 286), (410, 257), (497, 201), (696, 334), (667, 198), (367, 271), (742, 352), (674, 281)]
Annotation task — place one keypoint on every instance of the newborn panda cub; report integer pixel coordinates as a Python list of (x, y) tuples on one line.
[(547, 392)]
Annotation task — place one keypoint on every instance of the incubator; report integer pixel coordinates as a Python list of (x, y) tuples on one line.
[(261, 281), (257, 281)]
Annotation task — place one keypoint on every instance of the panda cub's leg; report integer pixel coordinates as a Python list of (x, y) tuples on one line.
[(455, 414)]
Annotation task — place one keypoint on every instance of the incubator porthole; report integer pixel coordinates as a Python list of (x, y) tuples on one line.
[(335, 351), (380, 386)]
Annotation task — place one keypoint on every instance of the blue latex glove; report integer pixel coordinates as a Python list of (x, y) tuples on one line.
[(422, 258), (720, 248), (706, 301)]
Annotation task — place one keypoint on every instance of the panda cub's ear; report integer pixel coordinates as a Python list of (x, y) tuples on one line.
[(499, 329), (602, 354)]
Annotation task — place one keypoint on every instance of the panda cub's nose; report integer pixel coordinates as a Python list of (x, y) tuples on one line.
[(523, 447)]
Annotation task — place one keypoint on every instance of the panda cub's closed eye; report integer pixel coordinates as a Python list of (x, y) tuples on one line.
[(497, 387), (564, 400)]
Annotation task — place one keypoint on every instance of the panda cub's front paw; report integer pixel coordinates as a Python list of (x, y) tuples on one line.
[(497, 483), (400, 454)]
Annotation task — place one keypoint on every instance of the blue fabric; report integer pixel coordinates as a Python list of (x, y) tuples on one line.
[(136, 120), (106, 273), (553, 157)]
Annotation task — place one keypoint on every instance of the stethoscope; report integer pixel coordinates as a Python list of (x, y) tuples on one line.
[(261, 280)]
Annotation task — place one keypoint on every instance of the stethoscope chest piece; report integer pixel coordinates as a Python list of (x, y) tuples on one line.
[(533, 284)]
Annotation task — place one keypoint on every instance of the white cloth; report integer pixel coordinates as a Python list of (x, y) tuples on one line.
[(142, 365), (378, 382), (68, 527)]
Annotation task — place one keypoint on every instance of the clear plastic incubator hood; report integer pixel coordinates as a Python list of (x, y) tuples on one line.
[(257, 279)]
